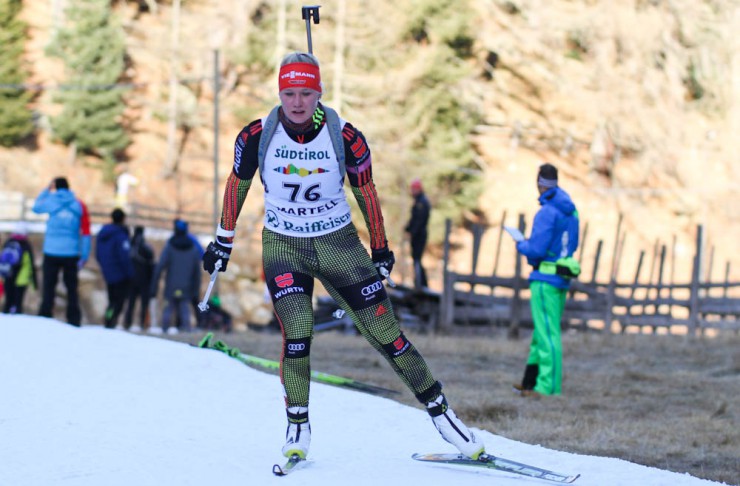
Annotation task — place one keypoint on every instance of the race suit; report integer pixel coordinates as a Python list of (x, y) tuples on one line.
[(309, 234)]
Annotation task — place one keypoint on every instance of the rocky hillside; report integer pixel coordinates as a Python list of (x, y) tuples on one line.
[(636, 101)]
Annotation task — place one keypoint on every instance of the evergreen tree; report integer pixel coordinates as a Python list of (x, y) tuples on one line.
[(15, 116), (441, 148), (91, 45), (413, 72)]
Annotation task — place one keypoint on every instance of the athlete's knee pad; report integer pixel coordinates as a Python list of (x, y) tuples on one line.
[(289, 283), (398, 347), (430, 393), (297, 348), (363, 295)]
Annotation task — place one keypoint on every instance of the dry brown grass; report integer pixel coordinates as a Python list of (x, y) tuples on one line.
[(665, 401)]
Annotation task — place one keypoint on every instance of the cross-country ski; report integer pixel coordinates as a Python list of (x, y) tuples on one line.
[(499, 463)]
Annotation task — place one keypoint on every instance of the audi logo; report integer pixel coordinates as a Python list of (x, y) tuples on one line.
[(371, 289), (296, 347)]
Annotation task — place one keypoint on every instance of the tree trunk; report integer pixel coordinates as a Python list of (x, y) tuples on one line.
[(170, 163), (281, 41), (339, 55)]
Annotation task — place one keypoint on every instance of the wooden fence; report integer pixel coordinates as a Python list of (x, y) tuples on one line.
[(697, 305)]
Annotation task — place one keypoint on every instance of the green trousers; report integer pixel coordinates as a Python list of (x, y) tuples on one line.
[(546, 350)]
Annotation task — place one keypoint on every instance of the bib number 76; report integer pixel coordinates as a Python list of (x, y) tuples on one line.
[(311, 193)]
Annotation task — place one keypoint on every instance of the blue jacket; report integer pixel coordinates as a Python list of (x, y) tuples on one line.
[(554, 235), (113, 252), (63, 226)]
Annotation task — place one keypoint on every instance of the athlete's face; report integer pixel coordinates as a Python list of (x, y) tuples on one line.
[(299, 103)]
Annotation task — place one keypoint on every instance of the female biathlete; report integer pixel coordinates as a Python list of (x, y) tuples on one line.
[(303, 151)]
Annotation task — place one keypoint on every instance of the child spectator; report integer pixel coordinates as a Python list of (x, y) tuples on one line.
[(17, 268)]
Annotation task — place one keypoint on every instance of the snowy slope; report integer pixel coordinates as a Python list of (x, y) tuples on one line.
[(97, 407)]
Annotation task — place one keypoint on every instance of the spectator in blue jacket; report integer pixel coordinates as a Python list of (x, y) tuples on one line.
[(113, 252), (64, 246), (549, 250)]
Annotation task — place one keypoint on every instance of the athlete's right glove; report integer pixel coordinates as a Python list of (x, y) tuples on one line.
[(215, 252), (383, 258)]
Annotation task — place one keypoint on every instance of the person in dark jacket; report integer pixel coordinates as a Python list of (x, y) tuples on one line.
[(417, 230), (18, 269), (549, 250), (142, 257), (65, 247), (113, 252), (180, 260), (196, 299)]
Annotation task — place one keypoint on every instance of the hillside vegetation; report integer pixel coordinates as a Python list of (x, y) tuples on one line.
[(635, 101)]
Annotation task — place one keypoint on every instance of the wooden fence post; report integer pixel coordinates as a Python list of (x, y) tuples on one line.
[(478, 231), (516, 301), (695, 276), (597, 259), (23, 208), (447, 300), (635, 283), (610, 293), (498, 246)]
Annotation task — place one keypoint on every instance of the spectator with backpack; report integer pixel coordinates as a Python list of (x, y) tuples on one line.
[(196, 299), (17, 268), (180, 260), (142, 257)]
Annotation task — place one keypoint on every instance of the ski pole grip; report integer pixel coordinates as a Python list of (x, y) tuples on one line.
[(384, 272)]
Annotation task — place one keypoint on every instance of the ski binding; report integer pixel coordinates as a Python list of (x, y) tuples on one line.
[(291, 465)]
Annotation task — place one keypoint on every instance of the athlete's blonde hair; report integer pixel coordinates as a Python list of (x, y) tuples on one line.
[(300, 57)]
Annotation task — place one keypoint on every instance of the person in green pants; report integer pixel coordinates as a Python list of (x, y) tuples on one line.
[(549, 250)]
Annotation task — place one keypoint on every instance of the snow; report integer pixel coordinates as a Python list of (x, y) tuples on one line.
[(92, 406)]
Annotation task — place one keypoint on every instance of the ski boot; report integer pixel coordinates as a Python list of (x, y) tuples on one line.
[(298, 435), (453, 430)]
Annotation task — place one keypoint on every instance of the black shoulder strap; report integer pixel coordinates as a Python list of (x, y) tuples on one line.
[(335, 133)]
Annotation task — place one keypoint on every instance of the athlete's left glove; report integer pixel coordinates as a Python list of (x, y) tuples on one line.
[(214, 253), (383, 258)]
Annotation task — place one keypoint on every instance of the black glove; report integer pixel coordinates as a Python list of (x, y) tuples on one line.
[(214, 253), (383, 258)]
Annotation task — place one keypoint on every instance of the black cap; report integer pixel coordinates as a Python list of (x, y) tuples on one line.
[(547, 176), (61, 183), (118, 216)]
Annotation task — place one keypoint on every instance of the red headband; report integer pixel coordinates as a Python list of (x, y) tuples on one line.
[(300, 75)]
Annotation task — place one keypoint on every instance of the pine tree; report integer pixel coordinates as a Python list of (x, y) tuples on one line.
[(15, 116), (91, 45), (411, 72)]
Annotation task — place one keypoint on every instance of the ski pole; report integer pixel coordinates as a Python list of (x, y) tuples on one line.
[(384, 272), (203, 305), (308, 12)]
